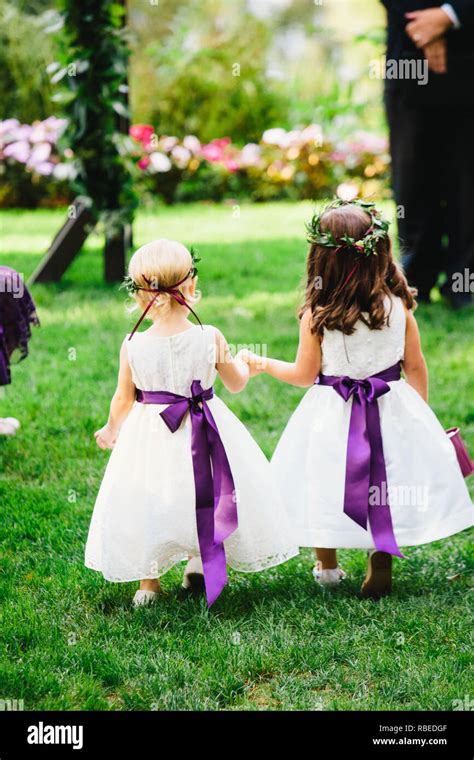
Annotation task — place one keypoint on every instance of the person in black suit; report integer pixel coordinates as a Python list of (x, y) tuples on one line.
[(431, 122)]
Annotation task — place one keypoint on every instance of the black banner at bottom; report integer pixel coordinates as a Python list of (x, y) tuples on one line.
[(376, 734)]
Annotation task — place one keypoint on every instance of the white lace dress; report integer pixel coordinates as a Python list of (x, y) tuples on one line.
[(428, 496), (144, 519)]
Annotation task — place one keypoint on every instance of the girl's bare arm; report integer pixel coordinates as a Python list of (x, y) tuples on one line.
[(234, 372), (122, 402), (306, 367), (414, 364)]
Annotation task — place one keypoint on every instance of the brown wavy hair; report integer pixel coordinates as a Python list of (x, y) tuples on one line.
[(338, 299)]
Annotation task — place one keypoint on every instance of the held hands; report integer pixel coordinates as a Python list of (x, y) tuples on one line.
[(426, 26), (106, 437), (255, 363)]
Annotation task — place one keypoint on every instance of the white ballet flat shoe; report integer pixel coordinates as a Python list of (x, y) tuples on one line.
[(144, 598), (9, 426), (327, 578), (193, 578)]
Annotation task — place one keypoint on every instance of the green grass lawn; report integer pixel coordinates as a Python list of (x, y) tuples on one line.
[(70, 640)]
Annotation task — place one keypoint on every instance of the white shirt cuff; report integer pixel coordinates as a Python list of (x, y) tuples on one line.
[(449, 10)]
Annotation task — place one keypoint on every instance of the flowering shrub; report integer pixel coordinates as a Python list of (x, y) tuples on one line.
[(29, 161), (299, 163)]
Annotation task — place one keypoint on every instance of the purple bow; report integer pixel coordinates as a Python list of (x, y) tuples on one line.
[(365, 461), (216, 507)]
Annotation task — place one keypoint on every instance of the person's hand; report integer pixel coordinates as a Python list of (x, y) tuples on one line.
[(436, 53), (426, 26), (105, 437), (255, 363)]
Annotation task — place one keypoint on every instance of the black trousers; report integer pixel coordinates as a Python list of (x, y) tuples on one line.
[(432, 151)]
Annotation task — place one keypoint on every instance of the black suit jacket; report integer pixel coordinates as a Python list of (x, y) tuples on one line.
[(456, 88)]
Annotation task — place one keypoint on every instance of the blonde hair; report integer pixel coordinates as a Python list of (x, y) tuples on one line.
[(162, 263)]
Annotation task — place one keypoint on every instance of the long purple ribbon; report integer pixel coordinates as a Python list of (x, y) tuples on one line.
[(365, 461), (216, 507)]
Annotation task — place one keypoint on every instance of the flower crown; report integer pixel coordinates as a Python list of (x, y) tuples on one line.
[(132, 287), (367, 245)]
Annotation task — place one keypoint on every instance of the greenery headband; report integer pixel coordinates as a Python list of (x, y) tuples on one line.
[(367, 245)]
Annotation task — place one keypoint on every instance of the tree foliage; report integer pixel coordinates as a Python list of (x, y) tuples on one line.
[(25, 90), (91, 71)]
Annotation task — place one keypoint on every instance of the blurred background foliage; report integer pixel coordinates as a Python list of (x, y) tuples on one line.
[(299, 62), (213, 69), (25, 51)]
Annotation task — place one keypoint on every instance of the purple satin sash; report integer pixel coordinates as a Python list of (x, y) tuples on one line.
[(365, 461), (216, 502)]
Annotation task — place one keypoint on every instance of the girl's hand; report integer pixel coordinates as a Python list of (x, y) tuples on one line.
[(255, 363), (106, 437)]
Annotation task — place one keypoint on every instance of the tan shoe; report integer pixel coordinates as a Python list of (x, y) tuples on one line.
[(378, 581)]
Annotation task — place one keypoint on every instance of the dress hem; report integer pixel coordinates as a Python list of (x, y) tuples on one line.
[(263, 565), (329, 540)]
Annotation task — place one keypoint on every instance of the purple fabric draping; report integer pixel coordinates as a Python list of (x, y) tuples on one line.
[(365, 462), (216, 506), (17, 314)]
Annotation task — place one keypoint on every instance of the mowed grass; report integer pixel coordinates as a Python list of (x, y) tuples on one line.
[(70, 640)]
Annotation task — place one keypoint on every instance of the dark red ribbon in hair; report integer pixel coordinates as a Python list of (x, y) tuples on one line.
[(360, 249), (172, 290)]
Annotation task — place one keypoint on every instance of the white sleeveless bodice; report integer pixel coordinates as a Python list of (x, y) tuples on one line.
[(172, 363), (366, 351)]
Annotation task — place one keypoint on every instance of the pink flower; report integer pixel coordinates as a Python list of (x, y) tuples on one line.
[(144, 162), (338, 156), (212, 152), (192, 143), (167, 143), (48, 130), (142, 133), (20, 151), (40, 153), (365, 142), (7, 126), (222, 142), (20, 133), (45, 168), (250, 155), (231, 164), (215, 150)]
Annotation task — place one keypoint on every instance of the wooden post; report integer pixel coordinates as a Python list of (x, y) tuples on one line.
[(72, 235), (115, 250), (66, 244)]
